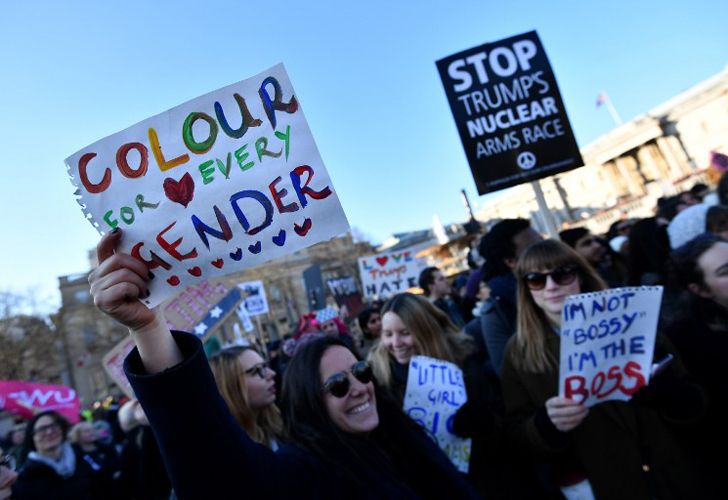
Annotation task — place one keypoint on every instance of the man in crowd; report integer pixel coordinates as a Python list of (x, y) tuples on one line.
[(597, 253), (500, 248), (437, 290)]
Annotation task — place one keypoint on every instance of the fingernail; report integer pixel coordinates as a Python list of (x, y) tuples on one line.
[(151, 275), (115, 230)]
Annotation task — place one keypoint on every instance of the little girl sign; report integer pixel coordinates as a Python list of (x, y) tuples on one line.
[(218, 184)]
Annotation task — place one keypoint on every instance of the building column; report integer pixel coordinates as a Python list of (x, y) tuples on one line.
[(615, 179), (633, 186), (648, 164), (676, 170)]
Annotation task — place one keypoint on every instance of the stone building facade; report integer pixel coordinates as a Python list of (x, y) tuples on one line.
[(655, 154)]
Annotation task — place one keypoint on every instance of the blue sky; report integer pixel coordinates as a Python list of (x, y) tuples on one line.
[(74, 72)]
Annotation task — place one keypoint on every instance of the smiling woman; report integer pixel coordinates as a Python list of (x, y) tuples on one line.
[(412, 326), (343, 438), (51, 467)]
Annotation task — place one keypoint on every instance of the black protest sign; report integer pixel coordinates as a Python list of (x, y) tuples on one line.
[(509, 113)]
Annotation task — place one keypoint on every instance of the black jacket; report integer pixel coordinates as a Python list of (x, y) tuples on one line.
[(208, 455), (37, 480)]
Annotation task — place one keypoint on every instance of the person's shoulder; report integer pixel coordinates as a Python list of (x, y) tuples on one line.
[(301, 468)]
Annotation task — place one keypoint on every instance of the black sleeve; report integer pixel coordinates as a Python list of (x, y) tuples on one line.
[(206, 453), (482, 412), (673, 392)]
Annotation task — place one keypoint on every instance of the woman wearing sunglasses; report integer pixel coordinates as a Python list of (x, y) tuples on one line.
[(611, 450), (344, 440), (247, 385)]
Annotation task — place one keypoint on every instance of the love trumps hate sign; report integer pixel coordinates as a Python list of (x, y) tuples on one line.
[(607, 342), (218, 184), (389, 273)]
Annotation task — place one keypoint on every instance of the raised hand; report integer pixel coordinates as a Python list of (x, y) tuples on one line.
[(116, 286), (118, 283)]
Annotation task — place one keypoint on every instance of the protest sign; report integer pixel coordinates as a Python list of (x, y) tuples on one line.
[(28, 398), (185, 311), (607, 342), (221, 183), (201, 322), (113, 363), (244, 318), (509, 113), (435, 392), (341, 287), (346, 294), (389, 273), (254, 300)]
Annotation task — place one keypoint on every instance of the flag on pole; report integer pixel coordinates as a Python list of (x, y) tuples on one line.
[(719, 161), (601, 98)]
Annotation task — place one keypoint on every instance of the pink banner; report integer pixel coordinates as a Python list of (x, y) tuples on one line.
[(28, 398)]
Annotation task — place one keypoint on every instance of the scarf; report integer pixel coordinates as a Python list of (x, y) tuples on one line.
[(65, 466)]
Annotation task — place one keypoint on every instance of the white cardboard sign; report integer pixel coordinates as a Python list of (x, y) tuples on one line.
[(607, 342), (435, 392), (254, 299), (389, 273), (223, 182)]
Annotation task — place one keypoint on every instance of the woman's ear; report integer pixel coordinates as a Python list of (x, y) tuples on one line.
[(700, 290)]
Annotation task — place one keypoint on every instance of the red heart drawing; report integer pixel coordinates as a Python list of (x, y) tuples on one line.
[(173, 280), (218, 263), (195, 271), (181, 191), (303, 229), (382, 260)]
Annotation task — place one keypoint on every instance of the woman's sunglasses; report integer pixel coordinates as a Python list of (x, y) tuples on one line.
[(562, 276), (338, 384), (260, 370)]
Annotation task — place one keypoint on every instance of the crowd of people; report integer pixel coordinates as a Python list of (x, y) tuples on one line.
[(111, 455), (321, 415)]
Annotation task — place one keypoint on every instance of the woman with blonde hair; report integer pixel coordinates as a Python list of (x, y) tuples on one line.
[(247, 385), (412, 325), (615, 449)]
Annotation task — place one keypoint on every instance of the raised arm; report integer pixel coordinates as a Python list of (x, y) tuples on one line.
[(116, 285)]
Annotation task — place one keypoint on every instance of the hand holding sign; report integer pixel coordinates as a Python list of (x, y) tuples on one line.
[(119, 282), (565, 413), (116, 285)]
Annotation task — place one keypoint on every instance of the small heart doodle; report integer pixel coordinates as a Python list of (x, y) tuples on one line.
[(181, 191), (195, 271), (303, 229), (280, 238), (382, 260), (173, 280), (237, 254), (218, 263), (255, 248)]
